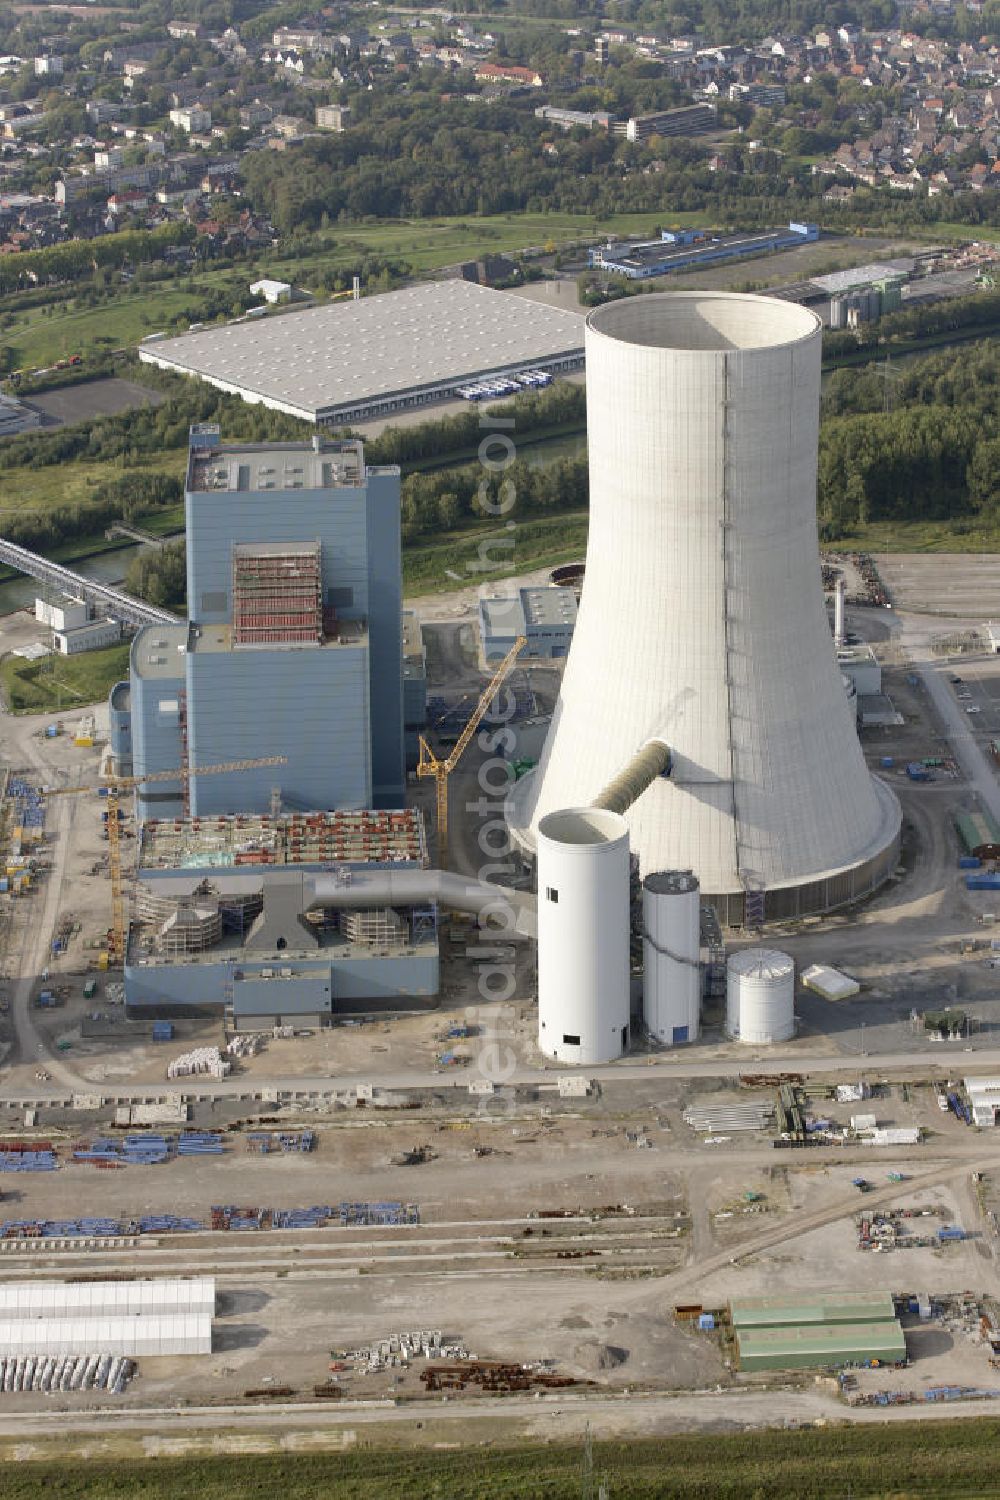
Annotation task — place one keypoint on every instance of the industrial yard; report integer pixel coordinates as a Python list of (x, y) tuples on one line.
[(614, 1278), (707, 1136)]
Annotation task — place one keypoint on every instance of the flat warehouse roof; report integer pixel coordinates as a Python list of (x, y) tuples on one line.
[(345, 354), (875, 1340), (174, 1333), (836, 1307), (62, 1299)]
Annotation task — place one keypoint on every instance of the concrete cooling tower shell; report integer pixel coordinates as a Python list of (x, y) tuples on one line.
[(702, 621)]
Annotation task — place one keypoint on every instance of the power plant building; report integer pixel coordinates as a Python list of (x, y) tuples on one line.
[(294, 646), (702, 623), (293, 919), (546, 618)]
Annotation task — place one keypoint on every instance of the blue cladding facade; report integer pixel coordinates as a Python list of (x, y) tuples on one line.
[(309, 704), (385, 637), (327, 986), (156, 723), (120, 727), (334, 710)]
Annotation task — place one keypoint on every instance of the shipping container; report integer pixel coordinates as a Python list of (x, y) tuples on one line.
[(983, 882)]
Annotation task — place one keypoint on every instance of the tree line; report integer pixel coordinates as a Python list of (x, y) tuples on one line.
[(933, 456), (75, 259)]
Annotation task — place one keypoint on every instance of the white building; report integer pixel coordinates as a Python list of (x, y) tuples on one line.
[(272, 291), (333, 116), (108, 158), (166, 1296), (702, 623), (49, 65), (95, 636), (124, 1334), (69, 615), (192, 118)]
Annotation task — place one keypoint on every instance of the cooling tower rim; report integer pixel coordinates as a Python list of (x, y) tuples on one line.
[(618, 321), (582, 828)]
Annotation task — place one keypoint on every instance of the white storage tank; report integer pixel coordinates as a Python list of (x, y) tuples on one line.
[(671, 926), (583, 935), (760, 996)]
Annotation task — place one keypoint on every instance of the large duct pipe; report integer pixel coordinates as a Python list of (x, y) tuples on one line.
[(514, 911), (654, 759)]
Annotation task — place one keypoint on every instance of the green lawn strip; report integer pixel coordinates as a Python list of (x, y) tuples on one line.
[(61, 683), (965, 535), (938, 1458)]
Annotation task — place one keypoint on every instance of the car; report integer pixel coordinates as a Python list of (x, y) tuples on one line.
[(973, 709), (953, 678)]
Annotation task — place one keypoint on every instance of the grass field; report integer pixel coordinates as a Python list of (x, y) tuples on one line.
[(481, 554), (39, 336), (939, 1459), (920, 536), (59, 684), (41, 489)]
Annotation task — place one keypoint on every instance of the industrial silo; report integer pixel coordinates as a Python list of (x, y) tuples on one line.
[(702, 622), (760, 996), (671, 930), (583, 935)]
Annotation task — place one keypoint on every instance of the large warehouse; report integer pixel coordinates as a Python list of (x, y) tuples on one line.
[(827, 1331), (352, 361)]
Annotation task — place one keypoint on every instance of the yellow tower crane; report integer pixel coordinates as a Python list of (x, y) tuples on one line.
[(430, 765), (112, 789)]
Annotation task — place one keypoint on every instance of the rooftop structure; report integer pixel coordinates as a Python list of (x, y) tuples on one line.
[(309, 839), (348, 361)]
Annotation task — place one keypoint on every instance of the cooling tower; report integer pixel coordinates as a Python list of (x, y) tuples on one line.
[(702, 622)]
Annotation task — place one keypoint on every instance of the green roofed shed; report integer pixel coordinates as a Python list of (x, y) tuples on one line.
[(833, 1307), (977, 830), (825, 1346)]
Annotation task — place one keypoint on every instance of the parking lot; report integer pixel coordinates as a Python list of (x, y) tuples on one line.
[(92, 398)]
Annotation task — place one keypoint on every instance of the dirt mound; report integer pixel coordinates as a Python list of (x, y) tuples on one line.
[(594, 1356)]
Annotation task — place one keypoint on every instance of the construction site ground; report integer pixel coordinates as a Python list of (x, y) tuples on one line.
[(594, 1293)]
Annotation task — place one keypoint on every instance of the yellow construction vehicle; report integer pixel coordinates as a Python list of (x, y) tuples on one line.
[(112, 788), (430, 765)]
